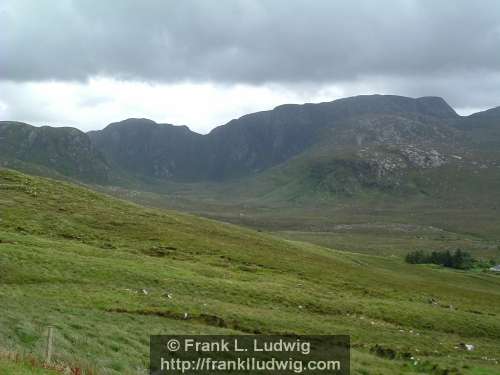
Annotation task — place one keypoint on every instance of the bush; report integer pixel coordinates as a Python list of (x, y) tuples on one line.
[(459, 259)]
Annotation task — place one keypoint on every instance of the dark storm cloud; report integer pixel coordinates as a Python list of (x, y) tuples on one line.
[(251, 41), (231, 41)]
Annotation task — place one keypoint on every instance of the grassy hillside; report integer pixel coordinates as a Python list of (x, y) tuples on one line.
[(79, 260)]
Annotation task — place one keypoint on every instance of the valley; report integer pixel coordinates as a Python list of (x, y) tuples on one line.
[(100, 271), (290, 221), (249, 187)]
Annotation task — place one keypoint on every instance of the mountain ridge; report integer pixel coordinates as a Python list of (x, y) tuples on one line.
[(256, 141), (139, 149)]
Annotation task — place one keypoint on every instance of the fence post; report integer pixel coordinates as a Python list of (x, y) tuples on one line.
[(48, 349)]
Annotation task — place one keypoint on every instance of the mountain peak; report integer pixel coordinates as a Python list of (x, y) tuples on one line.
[(377, 103), (131, 122), (142, 125)]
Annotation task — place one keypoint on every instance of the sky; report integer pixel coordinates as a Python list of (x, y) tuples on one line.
[(201, 63)]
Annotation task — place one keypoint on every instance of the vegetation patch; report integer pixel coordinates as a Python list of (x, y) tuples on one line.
[(458, 259)]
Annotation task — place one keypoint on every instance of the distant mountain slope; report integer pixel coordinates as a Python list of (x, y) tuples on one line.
[(144, 148), (347, 146), (483, 128), (65, 151), (261, 140)]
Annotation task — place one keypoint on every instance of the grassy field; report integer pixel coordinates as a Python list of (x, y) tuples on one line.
[(79, 260)]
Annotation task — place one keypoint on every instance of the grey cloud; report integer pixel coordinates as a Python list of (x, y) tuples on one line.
[(246, 41), (465, 90), (416, 47)]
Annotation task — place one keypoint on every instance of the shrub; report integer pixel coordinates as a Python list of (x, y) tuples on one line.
[(458, 259)]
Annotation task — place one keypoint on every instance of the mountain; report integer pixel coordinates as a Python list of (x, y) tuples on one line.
[(483, 128), (370, 143), (261, 140), (53, 151), (144, 148), (365, 159)]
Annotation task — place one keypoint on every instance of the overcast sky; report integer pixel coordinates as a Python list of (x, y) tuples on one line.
[(87, 63)]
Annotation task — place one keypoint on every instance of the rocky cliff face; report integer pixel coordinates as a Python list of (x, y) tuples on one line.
[(261, 140), (394, 129), (67, 151), (144, 148)]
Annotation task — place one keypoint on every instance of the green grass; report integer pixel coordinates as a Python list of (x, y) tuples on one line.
[(8, 367), (17, 364), (77, 260)]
